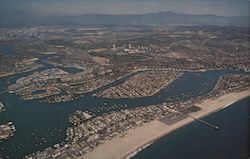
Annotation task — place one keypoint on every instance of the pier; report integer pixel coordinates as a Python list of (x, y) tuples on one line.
[(206, 123), (199, 120)]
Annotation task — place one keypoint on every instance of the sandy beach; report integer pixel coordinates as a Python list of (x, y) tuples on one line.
[(137, 138)]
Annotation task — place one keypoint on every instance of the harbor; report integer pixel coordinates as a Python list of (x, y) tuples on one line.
[(44, 135), (92, 136)]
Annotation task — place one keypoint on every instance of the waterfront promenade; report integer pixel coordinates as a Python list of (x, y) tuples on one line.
[(135, 139)]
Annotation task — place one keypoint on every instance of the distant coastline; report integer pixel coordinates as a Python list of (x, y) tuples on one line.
[(139, 138)]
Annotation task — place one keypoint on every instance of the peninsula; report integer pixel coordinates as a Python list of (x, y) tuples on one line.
[(120, 134), (135, 139)]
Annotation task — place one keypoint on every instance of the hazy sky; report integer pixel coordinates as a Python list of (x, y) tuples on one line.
[(79, 7)]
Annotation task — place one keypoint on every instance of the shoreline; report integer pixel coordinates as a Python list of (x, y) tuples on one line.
[(139, 138), (7, 74)]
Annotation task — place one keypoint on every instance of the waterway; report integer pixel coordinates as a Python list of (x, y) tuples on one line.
[(197, 141), (40, 125)]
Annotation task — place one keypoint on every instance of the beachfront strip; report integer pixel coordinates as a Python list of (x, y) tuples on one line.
[(91, 133), (143, 84)]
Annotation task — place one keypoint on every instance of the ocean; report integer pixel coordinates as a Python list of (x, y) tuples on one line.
[(198, 141)]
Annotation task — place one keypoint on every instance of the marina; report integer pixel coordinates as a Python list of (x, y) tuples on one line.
[(45, 135), (50, 92)]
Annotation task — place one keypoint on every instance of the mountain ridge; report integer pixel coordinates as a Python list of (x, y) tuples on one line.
[(158, 18)]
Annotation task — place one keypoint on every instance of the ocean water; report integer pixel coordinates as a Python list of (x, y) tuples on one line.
[(198, 141)]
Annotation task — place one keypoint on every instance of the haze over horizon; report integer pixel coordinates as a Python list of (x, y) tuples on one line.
[(81, 7)]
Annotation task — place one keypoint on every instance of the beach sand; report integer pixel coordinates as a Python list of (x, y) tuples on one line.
[(135, 139)]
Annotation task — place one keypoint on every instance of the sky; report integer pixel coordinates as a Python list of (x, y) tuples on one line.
[(80, 7)]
